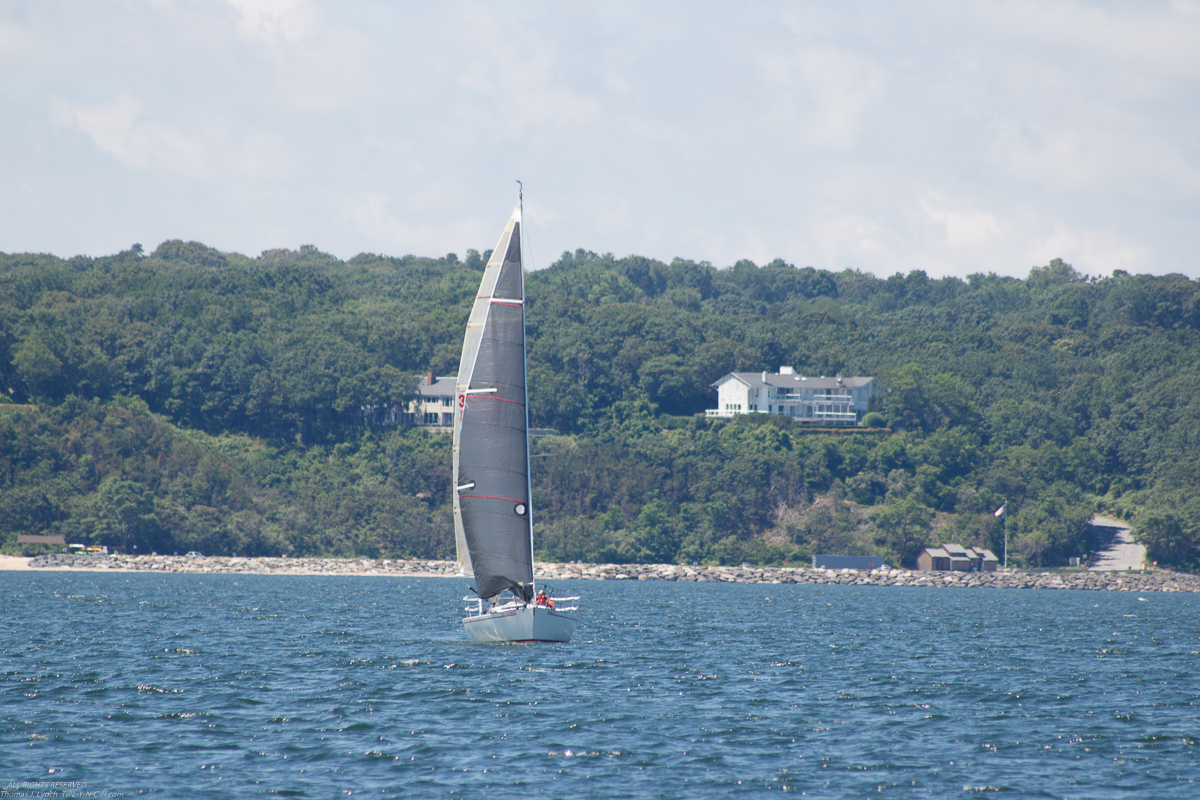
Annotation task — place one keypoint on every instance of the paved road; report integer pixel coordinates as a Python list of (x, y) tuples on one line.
[(1115, 548)]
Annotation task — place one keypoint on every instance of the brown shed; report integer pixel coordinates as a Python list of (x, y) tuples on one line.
[(933, 558), (955, 557)]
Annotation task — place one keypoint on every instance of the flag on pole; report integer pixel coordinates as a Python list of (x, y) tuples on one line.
[(1000, 511)]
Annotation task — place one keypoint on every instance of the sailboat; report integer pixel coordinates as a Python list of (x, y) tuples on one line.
[(493, 516)]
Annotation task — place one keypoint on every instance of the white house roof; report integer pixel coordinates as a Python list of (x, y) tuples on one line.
[(760, 380)]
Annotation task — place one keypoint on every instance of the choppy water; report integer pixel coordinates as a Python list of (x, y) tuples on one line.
[(182, 686)]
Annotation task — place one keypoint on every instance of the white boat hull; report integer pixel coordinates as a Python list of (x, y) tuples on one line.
[(521, 624)]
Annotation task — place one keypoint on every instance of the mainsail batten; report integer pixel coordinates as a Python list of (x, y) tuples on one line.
[(491, 443)]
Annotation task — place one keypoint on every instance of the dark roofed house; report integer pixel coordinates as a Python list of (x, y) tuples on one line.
[(955, 557), (933, 558), (987, 560), (960, 557)]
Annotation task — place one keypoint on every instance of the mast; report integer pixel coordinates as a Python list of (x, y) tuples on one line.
[(525, 367)]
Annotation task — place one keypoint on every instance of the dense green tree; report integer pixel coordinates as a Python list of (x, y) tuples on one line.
[(1052, 528), (902, 529), (194, 399)]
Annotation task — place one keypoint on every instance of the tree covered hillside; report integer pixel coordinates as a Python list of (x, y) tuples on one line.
[(193, 399)]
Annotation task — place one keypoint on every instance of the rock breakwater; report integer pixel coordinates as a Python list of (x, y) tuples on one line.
[(218, 565), (1150, 581)]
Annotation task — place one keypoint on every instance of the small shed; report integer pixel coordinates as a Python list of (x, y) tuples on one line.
[(961, 559), (933, 559), (847, 562), (987, 560)]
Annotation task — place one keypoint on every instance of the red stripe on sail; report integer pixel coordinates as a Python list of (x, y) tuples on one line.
[(492, 497), (493, 397)]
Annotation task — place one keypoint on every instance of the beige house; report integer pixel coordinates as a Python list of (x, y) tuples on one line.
[(434, 406), (436, 403)]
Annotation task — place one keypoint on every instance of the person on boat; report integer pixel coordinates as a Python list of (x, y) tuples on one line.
[(544, 600)]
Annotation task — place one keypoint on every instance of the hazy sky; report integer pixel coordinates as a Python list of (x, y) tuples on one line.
[(950, 137)]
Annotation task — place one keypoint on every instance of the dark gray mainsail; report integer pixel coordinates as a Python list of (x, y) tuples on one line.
[(492, 517)]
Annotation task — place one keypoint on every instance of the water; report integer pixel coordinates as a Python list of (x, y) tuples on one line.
[(234, 686)]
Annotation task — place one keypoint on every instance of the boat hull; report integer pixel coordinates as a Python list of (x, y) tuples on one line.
[(526, 624)]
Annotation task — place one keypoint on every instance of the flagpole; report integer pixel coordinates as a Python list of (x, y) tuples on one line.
[(1002, 511)]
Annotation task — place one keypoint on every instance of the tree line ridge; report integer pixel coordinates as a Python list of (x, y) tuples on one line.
[(191, 399)]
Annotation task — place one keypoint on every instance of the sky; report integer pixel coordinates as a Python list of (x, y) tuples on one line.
[(948, 137)]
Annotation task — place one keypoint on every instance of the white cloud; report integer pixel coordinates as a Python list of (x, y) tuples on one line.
[(848, 240), (1092, 252), (1142, 36), (876, 136), (1096, 126), (823, 92), (17, 42), (515, 76), (1097, 153), (277, 21), (960, 225), (371, 214), (313, 63), (121, 129)]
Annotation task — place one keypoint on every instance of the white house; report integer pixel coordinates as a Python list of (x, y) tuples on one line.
[(821, 401), (434, 406)]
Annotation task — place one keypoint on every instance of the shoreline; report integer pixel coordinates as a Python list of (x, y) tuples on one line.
[(1148, 581)]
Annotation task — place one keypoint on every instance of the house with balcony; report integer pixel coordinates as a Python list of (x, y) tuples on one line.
[(818, 401)]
